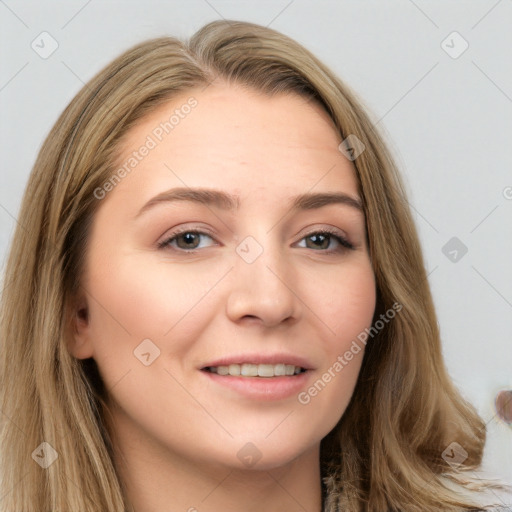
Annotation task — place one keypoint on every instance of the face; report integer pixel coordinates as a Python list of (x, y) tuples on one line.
[(219, 252)]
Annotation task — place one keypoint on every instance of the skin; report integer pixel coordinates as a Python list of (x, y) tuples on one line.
[(177, 433)]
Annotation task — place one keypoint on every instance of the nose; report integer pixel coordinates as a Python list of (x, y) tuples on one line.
[(262, 287)]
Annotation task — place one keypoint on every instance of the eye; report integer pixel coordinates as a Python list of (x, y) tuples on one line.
[(322, 240), (189, 240), (185, 240)]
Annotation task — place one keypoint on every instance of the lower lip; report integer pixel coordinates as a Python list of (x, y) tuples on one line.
[(262, 388)]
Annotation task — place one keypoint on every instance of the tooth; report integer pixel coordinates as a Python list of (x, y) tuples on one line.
[(289, 369), (279, 369), (234, 369), (265, 370), (249, 370), (257, 370)]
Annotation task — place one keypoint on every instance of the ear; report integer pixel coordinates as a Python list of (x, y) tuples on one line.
[(80, 343)]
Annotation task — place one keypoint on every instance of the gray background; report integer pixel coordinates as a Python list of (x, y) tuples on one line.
[(448, 119)]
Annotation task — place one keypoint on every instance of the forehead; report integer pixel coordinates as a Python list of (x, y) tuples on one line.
[(247, 110), (235, 138)]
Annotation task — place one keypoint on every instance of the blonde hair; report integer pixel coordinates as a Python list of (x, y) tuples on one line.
[(386, 451)]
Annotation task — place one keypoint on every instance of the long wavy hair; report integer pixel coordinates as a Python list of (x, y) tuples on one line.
[(388, 450)]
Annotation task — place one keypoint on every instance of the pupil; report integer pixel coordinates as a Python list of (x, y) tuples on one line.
[(319, 240), (189, 239)]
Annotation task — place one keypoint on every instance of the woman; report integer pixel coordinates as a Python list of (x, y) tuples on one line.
[(216, 300)]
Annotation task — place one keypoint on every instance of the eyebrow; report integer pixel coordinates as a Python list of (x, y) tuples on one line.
[(224, 201)]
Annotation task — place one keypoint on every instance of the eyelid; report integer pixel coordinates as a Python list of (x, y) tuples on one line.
[(325, 229)]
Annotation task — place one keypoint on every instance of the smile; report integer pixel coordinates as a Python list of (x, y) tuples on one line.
[(256, 370)]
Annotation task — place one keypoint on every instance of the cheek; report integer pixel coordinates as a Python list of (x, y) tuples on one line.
[(344, 300), (346, 305), (141, 299)]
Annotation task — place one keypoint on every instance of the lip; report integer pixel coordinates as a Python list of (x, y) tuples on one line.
[(262, 388), (276, 358)]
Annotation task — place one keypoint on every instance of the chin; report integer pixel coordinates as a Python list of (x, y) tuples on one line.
[(264, 454)]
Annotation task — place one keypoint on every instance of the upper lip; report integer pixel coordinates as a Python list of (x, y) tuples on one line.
[(259, 358)]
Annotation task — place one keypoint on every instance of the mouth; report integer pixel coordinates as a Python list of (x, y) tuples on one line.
[(260, 377), (253, 370)]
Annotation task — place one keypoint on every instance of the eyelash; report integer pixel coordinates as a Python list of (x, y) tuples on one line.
[(343, 242)]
